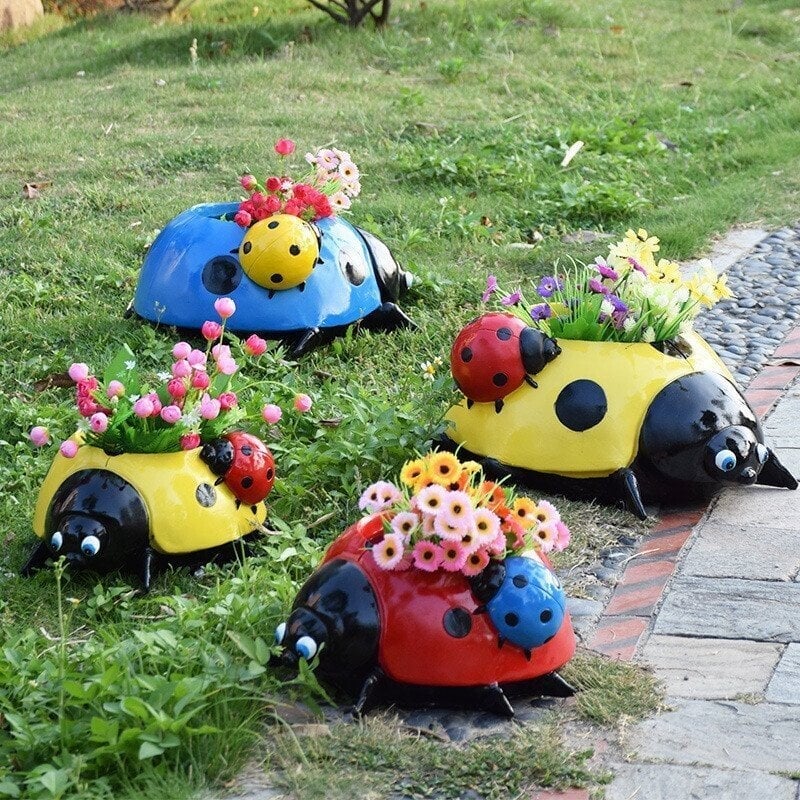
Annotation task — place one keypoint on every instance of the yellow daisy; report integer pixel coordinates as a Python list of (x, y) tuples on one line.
[(443, 468), (412, 471), (525, 511)]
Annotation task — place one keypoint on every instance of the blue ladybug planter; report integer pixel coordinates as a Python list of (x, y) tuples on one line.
[(197, 258)]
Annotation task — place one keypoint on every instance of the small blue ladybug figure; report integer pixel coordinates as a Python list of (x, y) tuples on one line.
[(202, 254)]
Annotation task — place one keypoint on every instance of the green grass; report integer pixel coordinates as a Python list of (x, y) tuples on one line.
[(459, 115)]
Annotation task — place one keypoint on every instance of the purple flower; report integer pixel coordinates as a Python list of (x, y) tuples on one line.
[(548, 285), (542, 311), (491, 288), (597, 287), (605, 270), (619, 305), (512, 299), (636, 265)]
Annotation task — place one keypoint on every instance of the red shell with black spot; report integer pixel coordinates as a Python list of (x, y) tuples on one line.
[(486, 359), (252, 472)]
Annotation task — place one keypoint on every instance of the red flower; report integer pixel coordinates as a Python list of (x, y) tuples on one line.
[(284, 147), (294, 207), (248, 182), (84, 397), (272, 204), (243, 218), (255, 345), (323, 207), (273, 184)]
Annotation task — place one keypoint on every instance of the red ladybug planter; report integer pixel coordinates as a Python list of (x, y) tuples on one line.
[(438, 638), (495, 354)]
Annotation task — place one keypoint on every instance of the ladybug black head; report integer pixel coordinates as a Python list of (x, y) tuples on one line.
[(734, 454), (486, 584), (218, 454), (537, 350)]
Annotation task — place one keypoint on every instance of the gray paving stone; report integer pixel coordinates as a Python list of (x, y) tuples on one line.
[(758, 505), (717, 551), (723, 734), (711, 668), (785, 684), (730, 608), (670, 782), (781, 427), (790, 458)]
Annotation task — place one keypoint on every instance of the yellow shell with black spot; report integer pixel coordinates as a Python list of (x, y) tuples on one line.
[(186, 511), (279, 252)]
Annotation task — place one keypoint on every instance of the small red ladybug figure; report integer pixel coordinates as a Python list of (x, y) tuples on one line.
[(244, 463), (495, 354)]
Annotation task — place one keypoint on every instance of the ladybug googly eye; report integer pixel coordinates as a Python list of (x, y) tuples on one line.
[(280, 632), (306, 648), (762, 452), (90, 546), (725, 460), (56, 540)]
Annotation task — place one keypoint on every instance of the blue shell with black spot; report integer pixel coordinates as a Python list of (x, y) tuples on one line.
[(193, 262), (530, 604)]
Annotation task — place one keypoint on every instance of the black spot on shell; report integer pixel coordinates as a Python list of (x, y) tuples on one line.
[(504, 334), (457, 622), (511, 619), (546, 615), (520, 581), (246, 482), (246, 450), (221, 275), (270, 473), (276, 277), (206, 495), (500, 379), (581, 405), (466, 354), (294, 250)]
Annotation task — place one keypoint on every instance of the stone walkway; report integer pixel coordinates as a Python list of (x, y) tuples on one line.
[(726, 640)]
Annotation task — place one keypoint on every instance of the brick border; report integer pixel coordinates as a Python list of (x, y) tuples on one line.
[(628, 614)]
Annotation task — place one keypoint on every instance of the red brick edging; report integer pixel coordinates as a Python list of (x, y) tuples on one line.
[(636, 595)]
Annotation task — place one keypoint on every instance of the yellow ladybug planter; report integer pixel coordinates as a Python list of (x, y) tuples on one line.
[(144, 511), (635, 421)]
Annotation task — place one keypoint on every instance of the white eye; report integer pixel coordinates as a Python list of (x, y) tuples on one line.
[(280, 632), (725, 460), (306, 647), (56, 540), (762, 453), (90, 546)]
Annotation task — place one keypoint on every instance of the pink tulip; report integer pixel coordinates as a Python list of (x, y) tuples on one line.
[(68, 449), (248, 182), (182, 369), (39, 435), (209, 409), (271, 413), (227, 366), (98, 422), (302, 403), (78, 371), (227, 400), (243, 218), (170, 414), (196, 357), (143, 407), (225, 307), (176, 388), (219, 351), (115, 389), (156, 401), (211, 330), (200, 380), (189, 441), (255, 345), (181, 350), (284, 147)]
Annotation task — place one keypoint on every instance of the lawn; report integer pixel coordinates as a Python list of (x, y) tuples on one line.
[(459, 115)]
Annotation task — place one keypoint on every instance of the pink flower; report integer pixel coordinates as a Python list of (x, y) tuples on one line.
[(170, 414), (115, 389), (431, 499), (512, 299), (39, 435), (379, 496), (273, 183), (196, 358), (242, 218), (181, 350), (189, 441), (454, 556), (200, 380), (143, 407), (389, 551), (156, 401), (563, 536), (427, 555), (476, 562), (227, 400), (220, 351), (491, 288), (302, 403), (404, 524), (487, 525), (255, 345), (248, 182), (182, 369), (447, 530), (209, 408), (271, 413), (227, 366), (284, 147), (68, 449), (176, 388), (225, 307), (211, 330), (84, 397), (98, 422), (605, 270), (78, 371)]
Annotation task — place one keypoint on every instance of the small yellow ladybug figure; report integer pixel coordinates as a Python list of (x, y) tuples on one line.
[(279, 252)]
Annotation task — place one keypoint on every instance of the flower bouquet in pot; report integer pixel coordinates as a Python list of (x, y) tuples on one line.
[(296, 269), (441, 595), (600, 387), (159, 470)]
